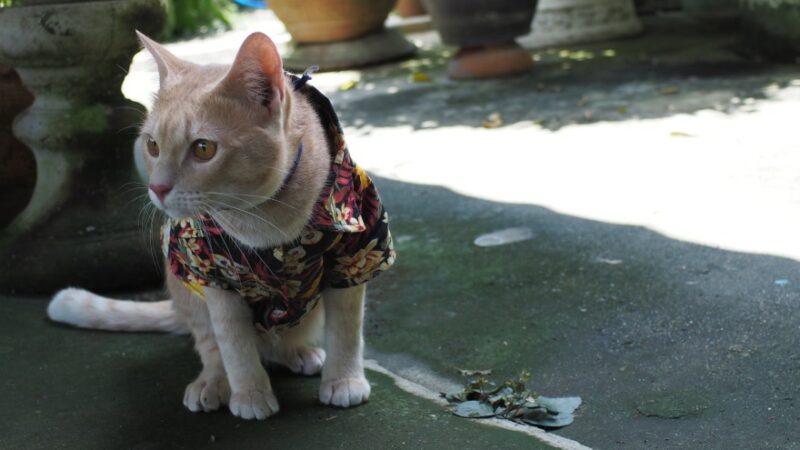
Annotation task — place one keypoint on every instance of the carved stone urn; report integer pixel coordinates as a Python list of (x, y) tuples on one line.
[(564, 22), (81, 226)]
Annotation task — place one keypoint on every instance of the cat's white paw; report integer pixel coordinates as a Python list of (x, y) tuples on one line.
[(344, 392), (306, 360), (207, 393), (254, 404)]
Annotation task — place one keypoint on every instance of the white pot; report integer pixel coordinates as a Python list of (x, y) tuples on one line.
[(562, 22)]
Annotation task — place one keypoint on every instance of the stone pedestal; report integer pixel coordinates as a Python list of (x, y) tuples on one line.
[(565, 22), (82, 225)]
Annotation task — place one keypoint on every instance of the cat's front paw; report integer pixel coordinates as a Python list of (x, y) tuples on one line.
[(306, 360), (207, 393), (344, 392), (254, 404)]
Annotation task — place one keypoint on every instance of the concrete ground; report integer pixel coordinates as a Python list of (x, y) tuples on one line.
[(655, 179)]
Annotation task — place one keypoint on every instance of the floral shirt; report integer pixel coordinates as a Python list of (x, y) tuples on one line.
[(346, 243)]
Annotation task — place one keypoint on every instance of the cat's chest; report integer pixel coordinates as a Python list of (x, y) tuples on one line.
[(205, 256)]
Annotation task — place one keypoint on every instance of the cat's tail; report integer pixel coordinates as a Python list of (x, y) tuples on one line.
[(84, 309)]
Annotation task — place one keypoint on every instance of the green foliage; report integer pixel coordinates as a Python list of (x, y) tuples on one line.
[(7, 3), (191, 17)]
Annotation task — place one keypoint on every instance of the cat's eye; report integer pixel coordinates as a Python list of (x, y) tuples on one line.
[(152, 147), (204, 149)]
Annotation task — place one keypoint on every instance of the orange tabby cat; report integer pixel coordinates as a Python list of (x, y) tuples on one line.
[(268, 215)]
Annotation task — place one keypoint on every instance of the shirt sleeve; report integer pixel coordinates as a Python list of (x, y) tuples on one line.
[(359, 257)]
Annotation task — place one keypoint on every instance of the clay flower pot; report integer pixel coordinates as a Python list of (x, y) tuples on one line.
[(409, 8), (485, 32), (337, 34)]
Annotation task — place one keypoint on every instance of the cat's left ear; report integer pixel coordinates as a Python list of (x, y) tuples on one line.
[(256, 75)]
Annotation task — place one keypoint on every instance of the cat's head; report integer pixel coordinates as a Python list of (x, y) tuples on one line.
[(216, 135)]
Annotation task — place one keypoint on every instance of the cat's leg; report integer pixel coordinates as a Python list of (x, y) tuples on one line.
[(343, 380), (297, 347), (232, 321), (210, 389)]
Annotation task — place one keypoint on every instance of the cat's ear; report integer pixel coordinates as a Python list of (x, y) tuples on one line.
[(169, 65), (256, 75)]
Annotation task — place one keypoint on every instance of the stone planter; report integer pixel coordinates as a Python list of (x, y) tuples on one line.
[(485, 32), (17, 166), (772, 27), (564, 22), (80, 227), (338, 34)]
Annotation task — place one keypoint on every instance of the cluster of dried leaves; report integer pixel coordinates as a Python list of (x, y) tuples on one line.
[(483, 398)]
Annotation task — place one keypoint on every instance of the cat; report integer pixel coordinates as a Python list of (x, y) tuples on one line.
[(272, 232)]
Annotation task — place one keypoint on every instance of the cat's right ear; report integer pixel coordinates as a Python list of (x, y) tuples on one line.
[(256, 75), (169, 65)]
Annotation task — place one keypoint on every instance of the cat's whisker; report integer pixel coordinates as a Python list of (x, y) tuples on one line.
[(254, 252), (217, 219), (261, 197), (153, 244), (249, 204), (256, 216)]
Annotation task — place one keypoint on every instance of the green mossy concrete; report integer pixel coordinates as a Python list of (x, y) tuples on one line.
[(65, 388), (661, 342)]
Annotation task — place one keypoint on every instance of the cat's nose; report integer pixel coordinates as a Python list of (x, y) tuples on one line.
[(161, 190)]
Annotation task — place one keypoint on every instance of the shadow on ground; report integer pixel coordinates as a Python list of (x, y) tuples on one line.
[(676, 67), (670, 344)]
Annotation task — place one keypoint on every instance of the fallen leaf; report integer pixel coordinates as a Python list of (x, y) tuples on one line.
[(420, 77), (493, 121), (348, 85), (472, 373), (510, 400), (473, 409), (669, 90), (679, 134)]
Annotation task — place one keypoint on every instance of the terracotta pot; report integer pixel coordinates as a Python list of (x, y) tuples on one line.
[(315, 21), (485, 31), (473, 23), (409, 8)]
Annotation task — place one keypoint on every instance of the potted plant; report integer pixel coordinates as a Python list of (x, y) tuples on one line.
[(485, 32), (336, 34)]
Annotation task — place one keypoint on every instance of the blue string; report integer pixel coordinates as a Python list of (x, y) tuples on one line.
[(298, 83)]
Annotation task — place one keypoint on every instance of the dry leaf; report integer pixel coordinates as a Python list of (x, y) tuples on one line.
[(493, 121), (420, 77), (348, 85)]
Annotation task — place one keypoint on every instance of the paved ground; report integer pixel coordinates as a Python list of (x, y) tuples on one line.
[(657, 180)]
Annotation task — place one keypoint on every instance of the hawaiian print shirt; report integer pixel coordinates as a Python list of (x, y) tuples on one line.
[(346, 243)]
